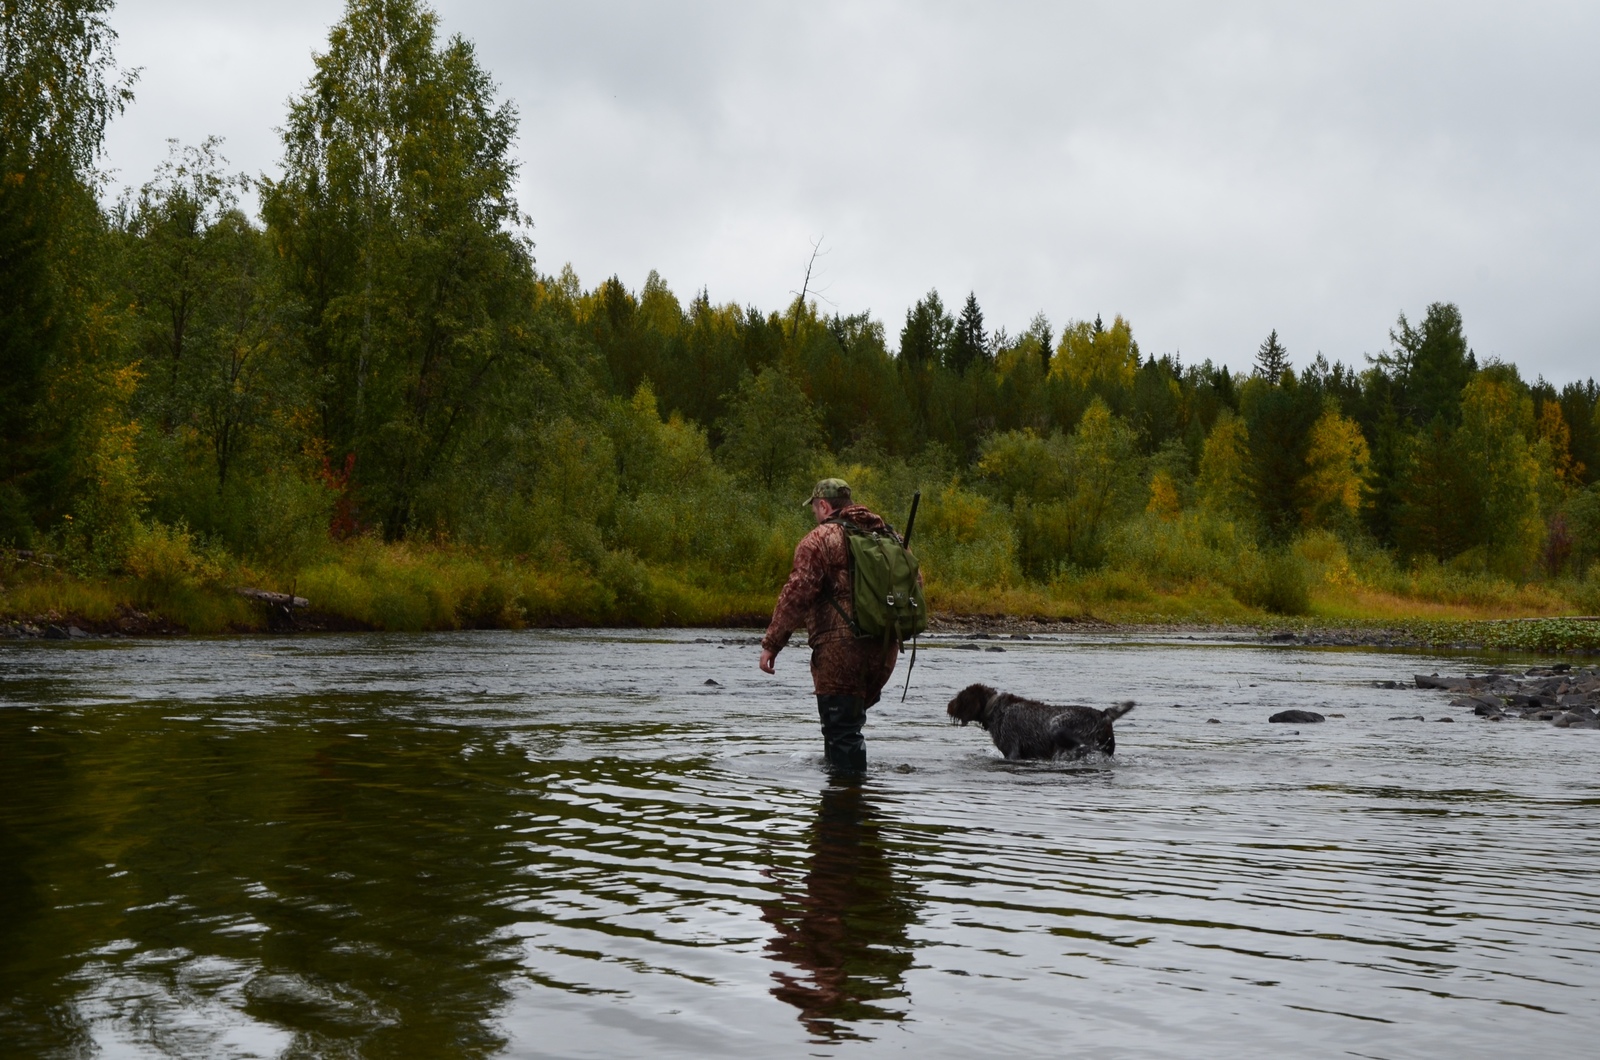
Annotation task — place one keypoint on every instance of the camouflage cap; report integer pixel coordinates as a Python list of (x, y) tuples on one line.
[(835, 491)]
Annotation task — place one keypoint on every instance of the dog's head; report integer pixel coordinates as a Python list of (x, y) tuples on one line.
[(970, 704)]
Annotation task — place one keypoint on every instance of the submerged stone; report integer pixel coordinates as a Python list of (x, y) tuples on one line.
[(1305, 717)]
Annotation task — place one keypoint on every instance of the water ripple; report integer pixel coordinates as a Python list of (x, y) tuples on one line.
[(568, 844)]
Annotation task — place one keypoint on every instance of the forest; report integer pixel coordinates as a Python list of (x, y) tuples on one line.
[(353, 380)]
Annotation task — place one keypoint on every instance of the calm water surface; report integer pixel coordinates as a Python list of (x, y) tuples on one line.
[(575, 844)]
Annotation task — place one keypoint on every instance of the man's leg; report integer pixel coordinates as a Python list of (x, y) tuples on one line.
[(842, 744)]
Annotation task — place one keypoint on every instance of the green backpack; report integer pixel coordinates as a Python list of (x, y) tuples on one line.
[(883, 580)]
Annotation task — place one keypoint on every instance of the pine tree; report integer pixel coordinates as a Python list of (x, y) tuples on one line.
[(1272, 360)]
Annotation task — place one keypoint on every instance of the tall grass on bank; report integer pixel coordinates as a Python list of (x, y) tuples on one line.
[(367, 584), (396, 587), (1192, 568)]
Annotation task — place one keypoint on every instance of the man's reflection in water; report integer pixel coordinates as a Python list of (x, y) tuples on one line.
[(843, 926)]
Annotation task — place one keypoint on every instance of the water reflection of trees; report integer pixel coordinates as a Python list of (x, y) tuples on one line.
[(339, 890), (843, 925)]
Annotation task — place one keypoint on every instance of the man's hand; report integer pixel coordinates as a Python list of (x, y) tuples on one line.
[(768, 658)]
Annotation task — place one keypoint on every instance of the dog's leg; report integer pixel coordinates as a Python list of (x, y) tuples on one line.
[(1066, 745)]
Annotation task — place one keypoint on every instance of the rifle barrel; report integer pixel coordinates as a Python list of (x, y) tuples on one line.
[(911, 520)]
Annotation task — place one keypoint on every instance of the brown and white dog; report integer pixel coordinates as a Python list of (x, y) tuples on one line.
[(1026, 728)]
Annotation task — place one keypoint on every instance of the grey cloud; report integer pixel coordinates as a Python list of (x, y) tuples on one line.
[(1211, 171)]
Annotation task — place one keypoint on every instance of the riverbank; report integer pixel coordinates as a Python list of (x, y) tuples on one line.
[(1549, 635), (1569, 635), (370, 586)]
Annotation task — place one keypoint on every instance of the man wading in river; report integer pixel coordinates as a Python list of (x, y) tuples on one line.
[(847, 672)]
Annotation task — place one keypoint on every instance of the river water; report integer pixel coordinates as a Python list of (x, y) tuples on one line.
[(574, 844)]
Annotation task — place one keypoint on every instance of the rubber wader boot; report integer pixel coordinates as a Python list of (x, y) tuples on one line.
[(842, 744)]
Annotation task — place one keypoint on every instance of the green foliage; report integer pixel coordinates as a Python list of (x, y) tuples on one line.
[(928, 334), (1272, 360), (374, 391), (1582, 515), (213, 329), (1279, 416), (1281, 584), (1497, 457), (1224, 482), (770, 431), (1195, 547), (167, 558), (1432, 364), (964, 541), (1065, 492), (1547, 636), (969, 343), (1021, 464), (1095, 357), (59, 87), (393, 215)]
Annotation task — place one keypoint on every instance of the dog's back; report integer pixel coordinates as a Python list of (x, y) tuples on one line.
[(1026, 728)]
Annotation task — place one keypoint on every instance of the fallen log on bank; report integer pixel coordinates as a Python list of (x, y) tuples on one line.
[(275, 599)]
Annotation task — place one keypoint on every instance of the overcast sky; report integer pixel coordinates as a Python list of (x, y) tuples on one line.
[(1210, 171)]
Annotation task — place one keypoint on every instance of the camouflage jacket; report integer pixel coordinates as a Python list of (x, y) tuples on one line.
[(840, 664)]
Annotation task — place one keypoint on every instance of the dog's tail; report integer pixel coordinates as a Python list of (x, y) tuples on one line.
[(1113, 713)]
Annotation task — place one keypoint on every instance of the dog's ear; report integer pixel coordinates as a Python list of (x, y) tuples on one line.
[(968, 704), (957, 706)]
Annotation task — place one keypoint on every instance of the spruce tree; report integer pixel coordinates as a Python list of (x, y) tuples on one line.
[(970, 344), (1434, 363), (927, 334), (1272, 360), (1039, 329)]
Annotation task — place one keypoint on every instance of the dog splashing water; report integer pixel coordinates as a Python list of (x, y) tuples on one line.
[(1026, 728)]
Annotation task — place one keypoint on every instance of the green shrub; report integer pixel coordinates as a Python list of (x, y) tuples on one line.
[(166, 558), (1585, 595), (963, 540), (1279, 582), (1173, 553)]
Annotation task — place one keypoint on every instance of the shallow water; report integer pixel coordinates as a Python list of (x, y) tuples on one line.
[(571, 844)]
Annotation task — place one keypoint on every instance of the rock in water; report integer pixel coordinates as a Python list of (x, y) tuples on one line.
[(1298, 717)]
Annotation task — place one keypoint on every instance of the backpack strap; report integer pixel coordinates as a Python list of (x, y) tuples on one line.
[(849, 559)]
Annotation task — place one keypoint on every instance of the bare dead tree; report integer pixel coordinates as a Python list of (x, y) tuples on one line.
[(805, 286)]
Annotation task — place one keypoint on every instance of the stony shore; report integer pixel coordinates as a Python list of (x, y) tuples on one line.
[(1571, 635), (1316, 636), (1566, 696)]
